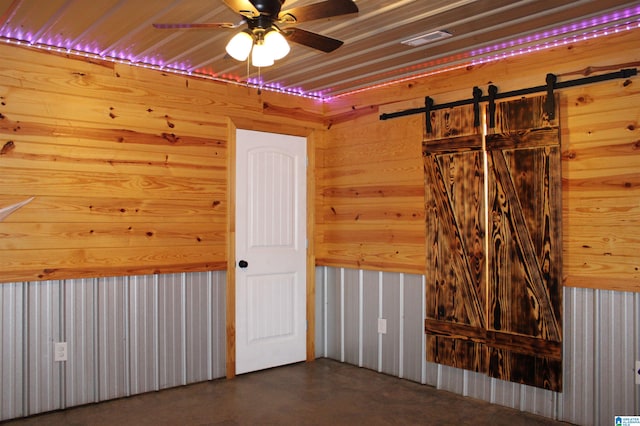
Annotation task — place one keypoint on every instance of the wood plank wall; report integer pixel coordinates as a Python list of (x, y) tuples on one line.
[(370, 211), (127, 166), (370, 178)]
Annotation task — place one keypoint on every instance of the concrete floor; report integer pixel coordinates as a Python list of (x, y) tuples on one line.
[(324, 392)]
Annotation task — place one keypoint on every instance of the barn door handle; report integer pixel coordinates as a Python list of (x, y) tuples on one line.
[(243, 264)]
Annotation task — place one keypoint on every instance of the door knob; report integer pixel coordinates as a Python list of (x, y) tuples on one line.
[(243, 264)]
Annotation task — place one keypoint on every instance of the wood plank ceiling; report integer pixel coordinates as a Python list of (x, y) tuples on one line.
[(372, 54)]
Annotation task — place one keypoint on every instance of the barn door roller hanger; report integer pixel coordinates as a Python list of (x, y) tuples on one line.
[(551, 85)]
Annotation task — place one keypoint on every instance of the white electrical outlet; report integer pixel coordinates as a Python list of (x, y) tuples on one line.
[(637, 371), (382, 326), (60, 351)]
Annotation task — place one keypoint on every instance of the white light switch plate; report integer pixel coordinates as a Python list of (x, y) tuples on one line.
[(382, 326)]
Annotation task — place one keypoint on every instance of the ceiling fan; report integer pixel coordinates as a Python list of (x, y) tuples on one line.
[(263, 38)]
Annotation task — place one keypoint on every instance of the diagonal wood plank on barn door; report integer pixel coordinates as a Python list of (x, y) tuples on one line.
[(454, 202), (525, 289)]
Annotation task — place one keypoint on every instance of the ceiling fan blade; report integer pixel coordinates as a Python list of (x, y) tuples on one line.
[(243, 7), (321, 10), (205, 25), (313, 40)]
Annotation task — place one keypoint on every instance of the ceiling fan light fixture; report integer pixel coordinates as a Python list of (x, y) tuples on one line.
[(277, 44), (261, 56), (239, 47)]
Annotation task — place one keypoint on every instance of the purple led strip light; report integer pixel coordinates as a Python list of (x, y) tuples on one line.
[(584, 25), (522, 45), (484, 55)]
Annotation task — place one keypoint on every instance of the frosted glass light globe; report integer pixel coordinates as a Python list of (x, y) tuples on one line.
[(261, 56), (277, 44), (239, 46)]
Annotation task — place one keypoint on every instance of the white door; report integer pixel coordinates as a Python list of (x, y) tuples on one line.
[(270, 250)]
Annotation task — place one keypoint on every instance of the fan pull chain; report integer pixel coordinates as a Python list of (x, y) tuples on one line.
[(259, 81), (248, 70)]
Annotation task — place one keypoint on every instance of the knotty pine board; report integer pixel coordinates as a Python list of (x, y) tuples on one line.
[(372, 256), (101, 137), (37, 236), (369, 174), (370, 232), (98, 262), (33, 157), (112, 185), (119, 159), (384, 210), (86, 209)]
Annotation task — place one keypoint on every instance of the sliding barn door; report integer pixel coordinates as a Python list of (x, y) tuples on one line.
[(456, 261), (525, 282), (494, 295)]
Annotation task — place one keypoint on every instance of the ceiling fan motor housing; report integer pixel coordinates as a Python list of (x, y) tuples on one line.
[(268, 7), (262, 22)]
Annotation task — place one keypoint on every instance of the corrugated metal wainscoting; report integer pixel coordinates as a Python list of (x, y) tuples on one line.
[(125, 335), (601, 343)]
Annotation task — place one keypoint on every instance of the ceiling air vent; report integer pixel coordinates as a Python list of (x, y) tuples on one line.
[(426, 38)]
